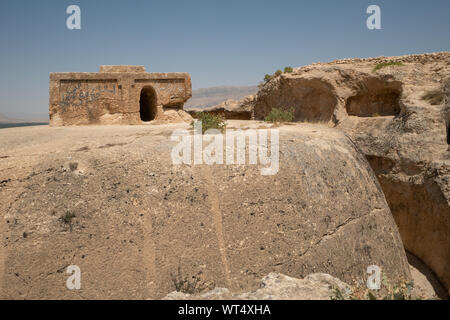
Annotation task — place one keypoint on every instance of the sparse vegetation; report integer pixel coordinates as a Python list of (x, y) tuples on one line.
[(268, 77), (66, 219), (210, 121), (280, 115), (277, 73), (185, 284), (434, 97), (387, 64), (401, 291)]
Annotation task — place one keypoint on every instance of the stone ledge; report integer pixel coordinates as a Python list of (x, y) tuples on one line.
[(122, 68)]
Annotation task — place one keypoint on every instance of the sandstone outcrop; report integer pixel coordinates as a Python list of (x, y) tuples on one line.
[(392, 107), (110, 201), (229, 109)]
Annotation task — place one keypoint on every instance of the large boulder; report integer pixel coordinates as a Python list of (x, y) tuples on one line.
[(110, 201), (392, 107)]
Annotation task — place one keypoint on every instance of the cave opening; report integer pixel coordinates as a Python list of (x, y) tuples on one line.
[(375, 98), (147, 103), (316, 106)]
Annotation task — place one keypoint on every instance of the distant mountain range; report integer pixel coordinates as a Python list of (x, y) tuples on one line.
[(207, 97), (9, 120), (5, 119)]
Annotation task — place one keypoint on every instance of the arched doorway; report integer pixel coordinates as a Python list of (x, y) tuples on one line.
[(147, 103)]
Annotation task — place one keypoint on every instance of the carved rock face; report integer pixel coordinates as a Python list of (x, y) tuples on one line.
[(397, 117), (115, 95)]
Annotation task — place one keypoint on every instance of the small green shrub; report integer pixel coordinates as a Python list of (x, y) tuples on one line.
[(434, 97), (277, 73), (66, 219), (268, 77), (280, 115), (210, 121), (387, 64)]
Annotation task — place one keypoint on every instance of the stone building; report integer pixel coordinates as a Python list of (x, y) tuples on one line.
[(118, 95)]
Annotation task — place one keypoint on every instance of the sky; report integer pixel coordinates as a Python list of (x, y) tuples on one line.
[(226, 42)]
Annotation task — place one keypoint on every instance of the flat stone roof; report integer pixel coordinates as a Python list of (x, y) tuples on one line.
[(122, 68)]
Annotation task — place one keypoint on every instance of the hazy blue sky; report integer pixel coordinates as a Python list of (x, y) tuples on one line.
[(223, 42)]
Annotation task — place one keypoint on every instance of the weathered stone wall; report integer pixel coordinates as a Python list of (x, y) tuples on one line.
[(79, 98)]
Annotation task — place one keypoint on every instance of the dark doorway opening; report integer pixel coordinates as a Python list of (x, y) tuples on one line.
[(448, 134), (147, 103)]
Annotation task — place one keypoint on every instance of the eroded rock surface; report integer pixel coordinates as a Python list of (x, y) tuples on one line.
[(318, 286), (397, 117), (109, 200)]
